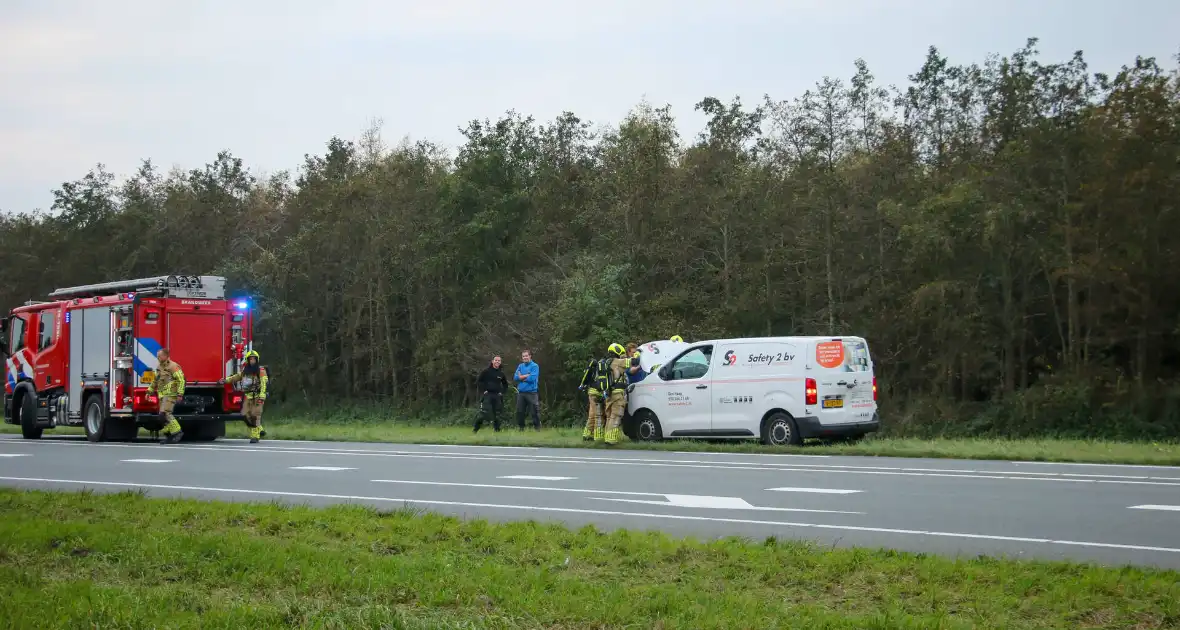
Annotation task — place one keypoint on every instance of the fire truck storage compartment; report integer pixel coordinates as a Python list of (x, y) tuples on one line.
[(198, 345), (90, 351)]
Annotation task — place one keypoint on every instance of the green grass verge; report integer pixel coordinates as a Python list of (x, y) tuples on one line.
[(397, 430), (73, 560)]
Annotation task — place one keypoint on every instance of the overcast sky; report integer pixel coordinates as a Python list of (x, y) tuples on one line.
[(115, 81)]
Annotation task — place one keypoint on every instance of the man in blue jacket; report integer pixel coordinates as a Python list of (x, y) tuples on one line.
[(525, 378)]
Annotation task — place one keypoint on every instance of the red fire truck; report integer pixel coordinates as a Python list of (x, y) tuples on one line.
[(86, 357)]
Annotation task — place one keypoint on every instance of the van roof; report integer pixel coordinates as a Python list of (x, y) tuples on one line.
[(792, 339)]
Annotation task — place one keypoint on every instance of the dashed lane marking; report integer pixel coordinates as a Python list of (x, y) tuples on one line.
[(945, 473), (815, 490)]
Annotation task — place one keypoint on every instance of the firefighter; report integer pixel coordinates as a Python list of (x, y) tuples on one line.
[(253, 378), (616, 393), (593, 384), (677, 339), (168, 384)]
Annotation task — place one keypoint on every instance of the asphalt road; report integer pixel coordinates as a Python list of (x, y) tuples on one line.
[(1107, 514)]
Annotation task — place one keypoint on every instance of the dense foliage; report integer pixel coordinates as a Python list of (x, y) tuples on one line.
[(1000, 232)]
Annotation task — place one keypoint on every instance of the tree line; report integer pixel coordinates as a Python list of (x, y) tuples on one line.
[(1001, 232)]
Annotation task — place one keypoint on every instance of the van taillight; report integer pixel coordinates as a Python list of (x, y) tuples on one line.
[(874, 388), (812, 392)]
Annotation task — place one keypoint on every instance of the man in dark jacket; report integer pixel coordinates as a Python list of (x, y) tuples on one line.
[(491, 385)]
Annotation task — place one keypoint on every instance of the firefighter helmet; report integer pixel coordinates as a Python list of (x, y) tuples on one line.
[(677, 338), (617, 349)]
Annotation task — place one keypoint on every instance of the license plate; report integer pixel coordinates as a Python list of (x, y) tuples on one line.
[(833, 403), (148, 376)]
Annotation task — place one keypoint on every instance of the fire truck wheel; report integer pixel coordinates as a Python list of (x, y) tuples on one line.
[(28, 418), (94, 418)]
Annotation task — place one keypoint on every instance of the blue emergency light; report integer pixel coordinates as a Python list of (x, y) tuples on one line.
[(243, 305)]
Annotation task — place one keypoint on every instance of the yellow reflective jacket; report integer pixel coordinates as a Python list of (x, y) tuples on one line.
[(169, 380), (253, 388)]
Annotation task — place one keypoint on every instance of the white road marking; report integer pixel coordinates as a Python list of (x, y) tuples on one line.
[(328, 468), (510, 487), (1165, 467), (681, 500), (716, 453), (536, 477), (16, 454), (676, 517), (675, 463), (148, 461), (1165, 508), (815, 490), (718, 503)]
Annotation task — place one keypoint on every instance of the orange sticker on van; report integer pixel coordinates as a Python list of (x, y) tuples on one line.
[(829, 354)]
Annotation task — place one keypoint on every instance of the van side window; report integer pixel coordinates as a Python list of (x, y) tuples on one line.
[(18, 334), (693, 364), (46, 333), (856, 356)]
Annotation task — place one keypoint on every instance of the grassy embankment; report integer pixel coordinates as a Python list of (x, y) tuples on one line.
[(72, 560), (355, 427)]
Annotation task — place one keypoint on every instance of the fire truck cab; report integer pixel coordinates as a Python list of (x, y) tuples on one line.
[(86, 357)]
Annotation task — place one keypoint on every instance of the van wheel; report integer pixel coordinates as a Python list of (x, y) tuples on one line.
[(647, 427), (28, 417), (780, 430), (94, 419)]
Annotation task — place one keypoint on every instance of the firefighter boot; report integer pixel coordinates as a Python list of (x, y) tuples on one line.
[(172, 432), (255, 434)]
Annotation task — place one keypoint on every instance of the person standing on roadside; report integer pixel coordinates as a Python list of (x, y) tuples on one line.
[(635, 372), (491, 384), (527, 398)]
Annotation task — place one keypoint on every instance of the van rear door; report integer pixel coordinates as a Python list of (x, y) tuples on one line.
[(844, 378)]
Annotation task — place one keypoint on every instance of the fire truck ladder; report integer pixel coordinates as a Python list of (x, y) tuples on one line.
[(181, 286)]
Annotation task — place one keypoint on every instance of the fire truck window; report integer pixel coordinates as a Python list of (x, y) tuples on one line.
[(46, 335), (18, 334)]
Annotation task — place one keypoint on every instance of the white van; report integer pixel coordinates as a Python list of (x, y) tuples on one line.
[(781, 390)]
